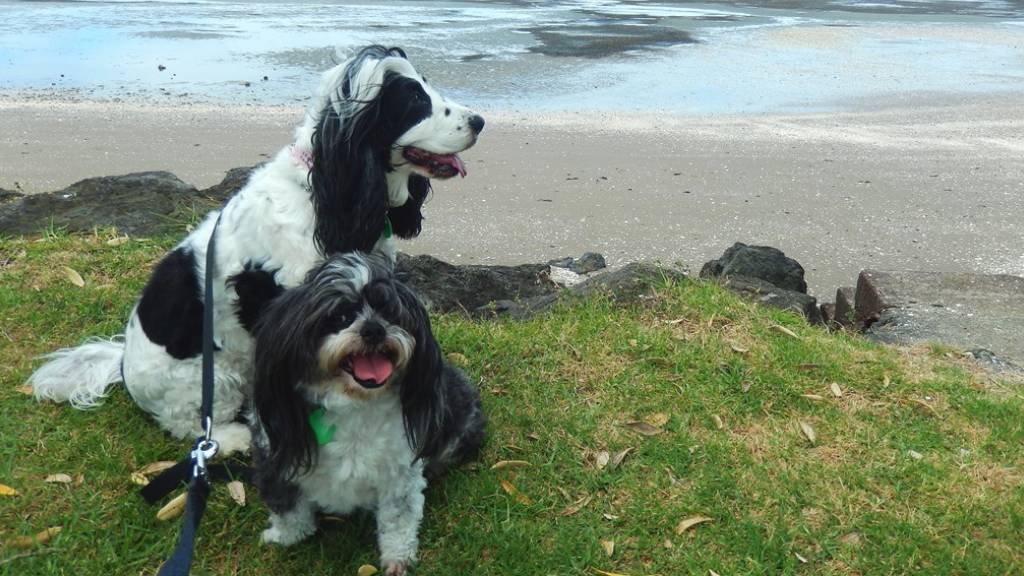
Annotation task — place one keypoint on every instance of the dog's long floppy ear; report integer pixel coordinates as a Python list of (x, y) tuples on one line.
[(421, 393), (407, 219), (348, 180), (285, 356), (350, 162)]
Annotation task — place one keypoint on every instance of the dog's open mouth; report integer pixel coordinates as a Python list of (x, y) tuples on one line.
[(370, 370), (439, 165)]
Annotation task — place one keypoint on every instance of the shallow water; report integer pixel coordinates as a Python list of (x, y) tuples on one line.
[(682, 57)]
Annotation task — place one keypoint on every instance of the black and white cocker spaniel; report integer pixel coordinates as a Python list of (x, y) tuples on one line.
[(358, 170), (354, 405)]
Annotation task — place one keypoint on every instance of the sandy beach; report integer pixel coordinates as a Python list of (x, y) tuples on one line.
[(929, 188)]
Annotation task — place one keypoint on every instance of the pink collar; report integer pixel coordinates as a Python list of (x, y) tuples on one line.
[(303, 157)]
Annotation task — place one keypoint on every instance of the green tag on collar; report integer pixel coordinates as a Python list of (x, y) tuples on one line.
[(323, 432), (387, 228)]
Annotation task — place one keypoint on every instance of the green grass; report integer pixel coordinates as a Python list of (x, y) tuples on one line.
[(559, 390)]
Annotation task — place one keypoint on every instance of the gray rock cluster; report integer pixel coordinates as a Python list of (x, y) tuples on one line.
[(766, 275), (983, 314), (139, 204)]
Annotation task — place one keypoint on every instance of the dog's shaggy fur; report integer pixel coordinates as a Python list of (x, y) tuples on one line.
[(373, 136), (355, 346)]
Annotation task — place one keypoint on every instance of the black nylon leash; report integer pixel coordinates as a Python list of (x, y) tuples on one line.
[(195, 468)]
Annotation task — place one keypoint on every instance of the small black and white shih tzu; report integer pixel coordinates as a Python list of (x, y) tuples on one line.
[(353, 403), (358, 169)]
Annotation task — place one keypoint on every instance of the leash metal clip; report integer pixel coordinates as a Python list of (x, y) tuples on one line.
[(205, 450)]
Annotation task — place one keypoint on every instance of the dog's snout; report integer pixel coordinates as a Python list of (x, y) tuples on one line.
[(476, 123), (372, 332)]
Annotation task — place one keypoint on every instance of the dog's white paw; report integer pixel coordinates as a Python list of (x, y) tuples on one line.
[(232, 437), (396, 568), (274, 535), (283, 537)]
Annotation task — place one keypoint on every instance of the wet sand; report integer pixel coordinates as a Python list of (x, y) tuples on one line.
[(929, 188)]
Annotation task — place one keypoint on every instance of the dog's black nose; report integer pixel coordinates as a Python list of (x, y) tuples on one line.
[(476, 123), (372, 332)]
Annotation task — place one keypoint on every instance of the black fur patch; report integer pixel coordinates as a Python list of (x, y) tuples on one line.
[(255, 287), (278, 494), (407, 219), (171, 310)]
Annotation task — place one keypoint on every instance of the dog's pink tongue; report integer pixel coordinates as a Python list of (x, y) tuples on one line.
[(376, 367), (454, 161)]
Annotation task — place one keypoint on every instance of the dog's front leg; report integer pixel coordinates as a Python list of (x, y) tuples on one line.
[(399, 512)]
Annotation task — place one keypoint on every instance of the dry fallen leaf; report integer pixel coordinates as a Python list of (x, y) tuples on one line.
[(718, 421), (668, 544), (6, 490), (36, 539), (609, 547), (515, 493), (926, 406), (174, 508), (886, 381), (642, 428), (814, 397), (784, 330), (237, 491), (915, 454), (851, 539), (601, 459), (79, 479), (502, 464), (366, 570), (139, 479), (690, 523), (156, 467), (619, 457), (608, 516), (25, 389), (739, 349), (713, 573), (74, 277), (117, 241), (836, 390), (800, 558), (58, 479), (458, 359), (577, 505), (657, 419), (808, 431)]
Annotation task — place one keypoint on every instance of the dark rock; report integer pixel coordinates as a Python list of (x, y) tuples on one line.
[(768, 294), (631, 283), (589, 262), (763, 262), (139, 204), (562, 262), (845, 315), (965, 310), (232, 182), (828, 313), (9, 196), (447, 288), (585, 264)]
